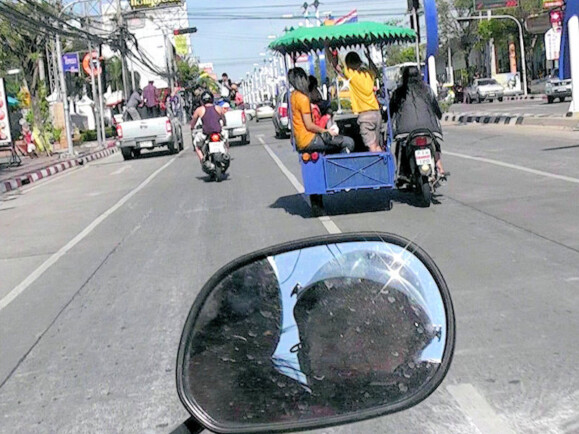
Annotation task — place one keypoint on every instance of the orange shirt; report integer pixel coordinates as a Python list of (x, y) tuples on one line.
[(300, 105)]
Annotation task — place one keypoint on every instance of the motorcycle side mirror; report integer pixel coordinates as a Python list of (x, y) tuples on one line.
[(313, 333)]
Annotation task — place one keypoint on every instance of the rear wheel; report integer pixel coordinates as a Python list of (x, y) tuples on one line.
[(425, 192), (181, 142), (389, 205), (550, 99), (317, 203), (171, 146), (127, 153), (136, 153), (562, 99), (218, 173), (501, 99)]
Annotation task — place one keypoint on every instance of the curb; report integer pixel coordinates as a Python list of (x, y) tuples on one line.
[(510, 120), (520, 98), (53, 169)]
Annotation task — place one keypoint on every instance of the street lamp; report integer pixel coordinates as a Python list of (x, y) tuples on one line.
[(521, 42)]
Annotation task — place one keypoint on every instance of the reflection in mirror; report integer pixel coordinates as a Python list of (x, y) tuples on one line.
[(321, 331)]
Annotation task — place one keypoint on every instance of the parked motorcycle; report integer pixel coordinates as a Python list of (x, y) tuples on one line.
[(416, 165), (217, 157), (313, 333)]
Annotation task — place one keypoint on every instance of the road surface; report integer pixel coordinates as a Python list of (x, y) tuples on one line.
[(100, 266)]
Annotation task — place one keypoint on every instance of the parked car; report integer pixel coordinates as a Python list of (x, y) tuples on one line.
[(280, 118), (134, 136), (557, 88), (484, 89), (264, 111)]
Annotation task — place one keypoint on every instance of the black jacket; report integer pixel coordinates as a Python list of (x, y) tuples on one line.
[(415, 107)]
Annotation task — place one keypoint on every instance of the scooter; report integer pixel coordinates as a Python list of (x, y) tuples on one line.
[(314, 333), (217, 157), (416, 164)]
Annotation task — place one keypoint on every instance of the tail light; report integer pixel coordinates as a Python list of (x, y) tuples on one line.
[(215, 137), (168, 126), (243, 118), (306, 157), (420, 141), (119, 131), (315, 156), (282, 112)]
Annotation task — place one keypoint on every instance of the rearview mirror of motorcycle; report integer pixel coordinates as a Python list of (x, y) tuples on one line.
[(317, 332)]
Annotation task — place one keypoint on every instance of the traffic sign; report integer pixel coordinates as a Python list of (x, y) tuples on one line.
[(96, 67), (495, 4), (548, 4)]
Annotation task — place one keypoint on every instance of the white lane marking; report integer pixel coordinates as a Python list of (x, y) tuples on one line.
[(11, 296), (475, 406), (328, 223), (515, 167), (121, 170)]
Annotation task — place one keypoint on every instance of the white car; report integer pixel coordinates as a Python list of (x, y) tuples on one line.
[(264, 111), (484, 89), (250, 113)]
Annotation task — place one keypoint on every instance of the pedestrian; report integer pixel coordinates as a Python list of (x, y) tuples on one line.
[(135, 100), (225, 86), (364, 101), (151, 101)]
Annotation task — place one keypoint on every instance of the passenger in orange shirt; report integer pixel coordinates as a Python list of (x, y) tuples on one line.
[(310, 137)]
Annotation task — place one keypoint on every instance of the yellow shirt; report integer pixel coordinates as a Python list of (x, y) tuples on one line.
[(361, 90), (300, 105)]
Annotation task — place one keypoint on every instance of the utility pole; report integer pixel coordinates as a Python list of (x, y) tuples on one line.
[(67, 123), (123, 49), (97, 108)]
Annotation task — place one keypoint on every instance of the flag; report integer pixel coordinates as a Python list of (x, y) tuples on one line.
[(350, 17)]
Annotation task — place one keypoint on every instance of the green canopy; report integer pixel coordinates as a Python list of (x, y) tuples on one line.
[(306, 39)]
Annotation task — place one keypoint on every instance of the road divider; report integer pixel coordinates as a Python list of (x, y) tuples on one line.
[(510, 120)]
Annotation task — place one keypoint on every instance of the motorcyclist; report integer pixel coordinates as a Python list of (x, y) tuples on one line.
[(414, 106), (212, 121)]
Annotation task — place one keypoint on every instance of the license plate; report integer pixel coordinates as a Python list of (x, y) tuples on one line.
[(422, 156), (215, 147), (561, 90), (146, 144), (491, 94)]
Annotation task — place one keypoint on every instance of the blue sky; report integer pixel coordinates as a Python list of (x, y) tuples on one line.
[(233, 46)]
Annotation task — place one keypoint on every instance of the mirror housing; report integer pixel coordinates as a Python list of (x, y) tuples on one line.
[(317, 332)]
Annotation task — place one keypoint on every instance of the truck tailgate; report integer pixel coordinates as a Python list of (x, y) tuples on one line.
[(144, 129)]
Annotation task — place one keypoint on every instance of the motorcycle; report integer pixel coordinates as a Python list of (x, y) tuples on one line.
[(416, 153), (217, 157), (314, 333)]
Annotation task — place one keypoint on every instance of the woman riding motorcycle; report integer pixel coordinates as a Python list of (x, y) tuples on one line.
[(414, 106)]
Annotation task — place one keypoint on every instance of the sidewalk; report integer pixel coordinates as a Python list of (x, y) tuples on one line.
[(34, 169), (567, 123)]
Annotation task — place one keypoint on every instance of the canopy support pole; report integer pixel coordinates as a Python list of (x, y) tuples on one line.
[(387, 98)]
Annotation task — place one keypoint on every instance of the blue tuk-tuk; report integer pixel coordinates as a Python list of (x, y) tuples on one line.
[(332, 173)]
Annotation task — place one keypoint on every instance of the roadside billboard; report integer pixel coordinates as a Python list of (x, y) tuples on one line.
[(511, 82), (495, 4), (5, 136), (154, 4)]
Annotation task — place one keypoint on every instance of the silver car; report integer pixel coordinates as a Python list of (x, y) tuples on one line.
[(556, 88), (484, 89)]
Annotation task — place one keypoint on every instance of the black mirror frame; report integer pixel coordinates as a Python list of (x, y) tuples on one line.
[(198, 413)]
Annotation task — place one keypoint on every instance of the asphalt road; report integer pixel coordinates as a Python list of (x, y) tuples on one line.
[(524, 107), (106, 261)]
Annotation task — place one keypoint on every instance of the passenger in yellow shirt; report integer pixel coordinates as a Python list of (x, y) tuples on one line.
[(364, 101), (308, 136)]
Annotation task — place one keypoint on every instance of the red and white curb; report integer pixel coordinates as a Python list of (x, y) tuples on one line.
[(28, 178)]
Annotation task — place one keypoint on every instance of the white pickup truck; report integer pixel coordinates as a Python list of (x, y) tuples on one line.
[(134, 136), (236, 125)]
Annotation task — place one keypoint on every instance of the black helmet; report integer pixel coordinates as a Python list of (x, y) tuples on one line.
[(207, 97)]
